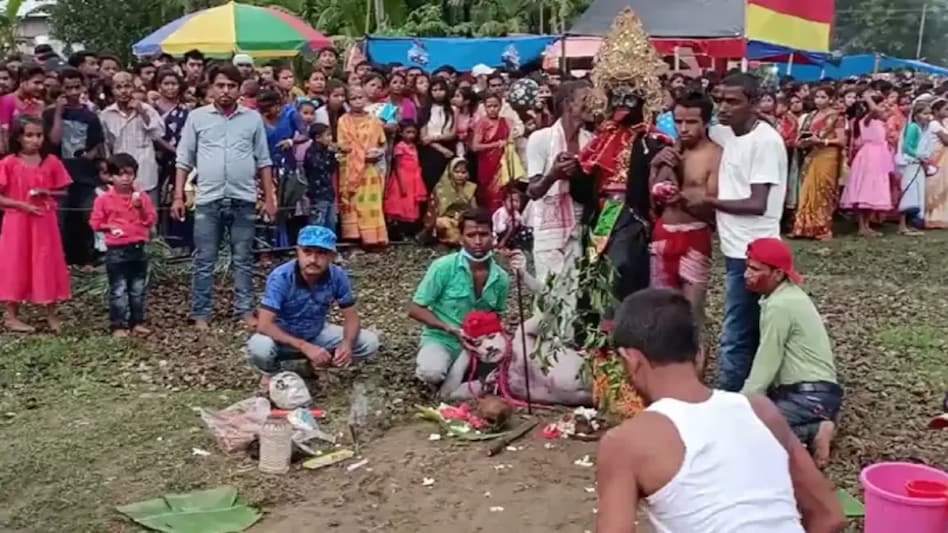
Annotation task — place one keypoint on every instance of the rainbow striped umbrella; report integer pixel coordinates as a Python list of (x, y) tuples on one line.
[(234, 28)]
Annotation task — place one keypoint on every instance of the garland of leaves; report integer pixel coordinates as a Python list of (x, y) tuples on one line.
[(560, 314), (593, 277)]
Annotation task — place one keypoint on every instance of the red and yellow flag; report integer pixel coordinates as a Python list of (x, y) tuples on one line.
[(798, 24)]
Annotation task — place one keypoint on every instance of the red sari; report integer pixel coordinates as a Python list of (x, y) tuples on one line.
[(489, 161)]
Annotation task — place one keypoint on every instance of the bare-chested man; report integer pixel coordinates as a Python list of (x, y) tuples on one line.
[(681, 238)]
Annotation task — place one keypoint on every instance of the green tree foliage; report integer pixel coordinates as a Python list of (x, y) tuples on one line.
[(892, 27), (8, 20), (110, 25), (114, 25)]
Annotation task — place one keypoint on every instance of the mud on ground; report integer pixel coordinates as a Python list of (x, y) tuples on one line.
[(89, 423)]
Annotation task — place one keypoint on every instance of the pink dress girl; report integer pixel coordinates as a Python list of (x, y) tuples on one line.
[(867, 188), (32, 263)]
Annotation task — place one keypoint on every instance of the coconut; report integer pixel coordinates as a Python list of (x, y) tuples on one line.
[(495, 410)]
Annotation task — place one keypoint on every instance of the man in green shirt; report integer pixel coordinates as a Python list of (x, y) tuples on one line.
[(794, 361), (453, 286)]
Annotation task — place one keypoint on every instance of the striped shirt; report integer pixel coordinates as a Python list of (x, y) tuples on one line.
[(226, 151), (128, 133)]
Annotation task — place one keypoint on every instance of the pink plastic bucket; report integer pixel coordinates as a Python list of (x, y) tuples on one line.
[(889, 509)]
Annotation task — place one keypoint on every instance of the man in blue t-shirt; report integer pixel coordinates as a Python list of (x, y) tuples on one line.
[(297, 298)]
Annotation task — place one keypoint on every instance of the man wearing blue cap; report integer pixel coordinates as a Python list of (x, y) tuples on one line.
[(296, 300)]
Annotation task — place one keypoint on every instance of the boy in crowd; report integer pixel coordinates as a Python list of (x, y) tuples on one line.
[(126, 217), (74, 133), (320, 165)]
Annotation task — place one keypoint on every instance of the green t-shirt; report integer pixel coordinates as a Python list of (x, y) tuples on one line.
[(448, 291), (794, 346)]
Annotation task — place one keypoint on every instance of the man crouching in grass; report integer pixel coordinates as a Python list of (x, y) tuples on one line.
[(794, 362), (296, 300)]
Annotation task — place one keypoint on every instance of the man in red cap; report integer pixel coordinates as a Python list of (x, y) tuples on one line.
[(794, 361)]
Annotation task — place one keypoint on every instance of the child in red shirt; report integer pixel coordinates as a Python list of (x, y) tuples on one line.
[(126, 217)]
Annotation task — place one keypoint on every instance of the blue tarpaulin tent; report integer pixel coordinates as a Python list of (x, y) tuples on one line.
[(857, 65), (430, 53)]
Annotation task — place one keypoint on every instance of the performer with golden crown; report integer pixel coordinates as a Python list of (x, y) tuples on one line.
[(612, 186)]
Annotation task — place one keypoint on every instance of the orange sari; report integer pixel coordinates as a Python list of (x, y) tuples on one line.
[(819, 182), (360, 183)]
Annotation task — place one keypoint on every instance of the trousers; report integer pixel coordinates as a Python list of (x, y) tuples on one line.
[(127, 269), (267, 355)]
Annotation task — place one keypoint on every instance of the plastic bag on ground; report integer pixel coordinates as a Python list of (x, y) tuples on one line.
[(289, 391), (236, 426)]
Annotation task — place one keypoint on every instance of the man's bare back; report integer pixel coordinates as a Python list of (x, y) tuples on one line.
[(698, 170)]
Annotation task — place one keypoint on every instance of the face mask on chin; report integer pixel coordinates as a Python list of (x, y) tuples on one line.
[(470, 257)]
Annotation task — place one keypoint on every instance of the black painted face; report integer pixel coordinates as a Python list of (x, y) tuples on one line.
[(624, 96), (626, 103)]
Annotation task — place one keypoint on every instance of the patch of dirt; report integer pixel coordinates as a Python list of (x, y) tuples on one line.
[(884, 301), (539, 489)]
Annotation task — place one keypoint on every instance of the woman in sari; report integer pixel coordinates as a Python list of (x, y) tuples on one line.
[(790, 131), (451, 196), (936, 188), (497, 159), (911, 162), (820, 170), (180, 234), (361, 139)]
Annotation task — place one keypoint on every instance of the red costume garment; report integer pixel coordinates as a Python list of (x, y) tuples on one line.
[(681, 253), (606, 157)]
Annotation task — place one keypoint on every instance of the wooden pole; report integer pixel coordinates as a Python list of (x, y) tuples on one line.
[(790, 64), (921, 31), (563, 61)]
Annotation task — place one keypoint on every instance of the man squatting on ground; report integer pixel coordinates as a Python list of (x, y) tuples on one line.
[(296, 301)]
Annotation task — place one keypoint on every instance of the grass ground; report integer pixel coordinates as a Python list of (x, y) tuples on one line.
[(88, 423)]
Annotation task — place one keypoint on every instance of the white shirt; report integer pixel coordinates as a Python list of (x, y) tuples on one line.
[(757, 157), (545, 215), (928, 141), (735, 476)]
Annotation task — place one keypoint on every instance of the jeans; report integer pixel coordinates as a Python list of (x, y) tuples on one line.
[(324, 214), (266, 355), (740, 333), (78, 237), (210, 221), (432, 363), (805, 411), (127, 269)]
